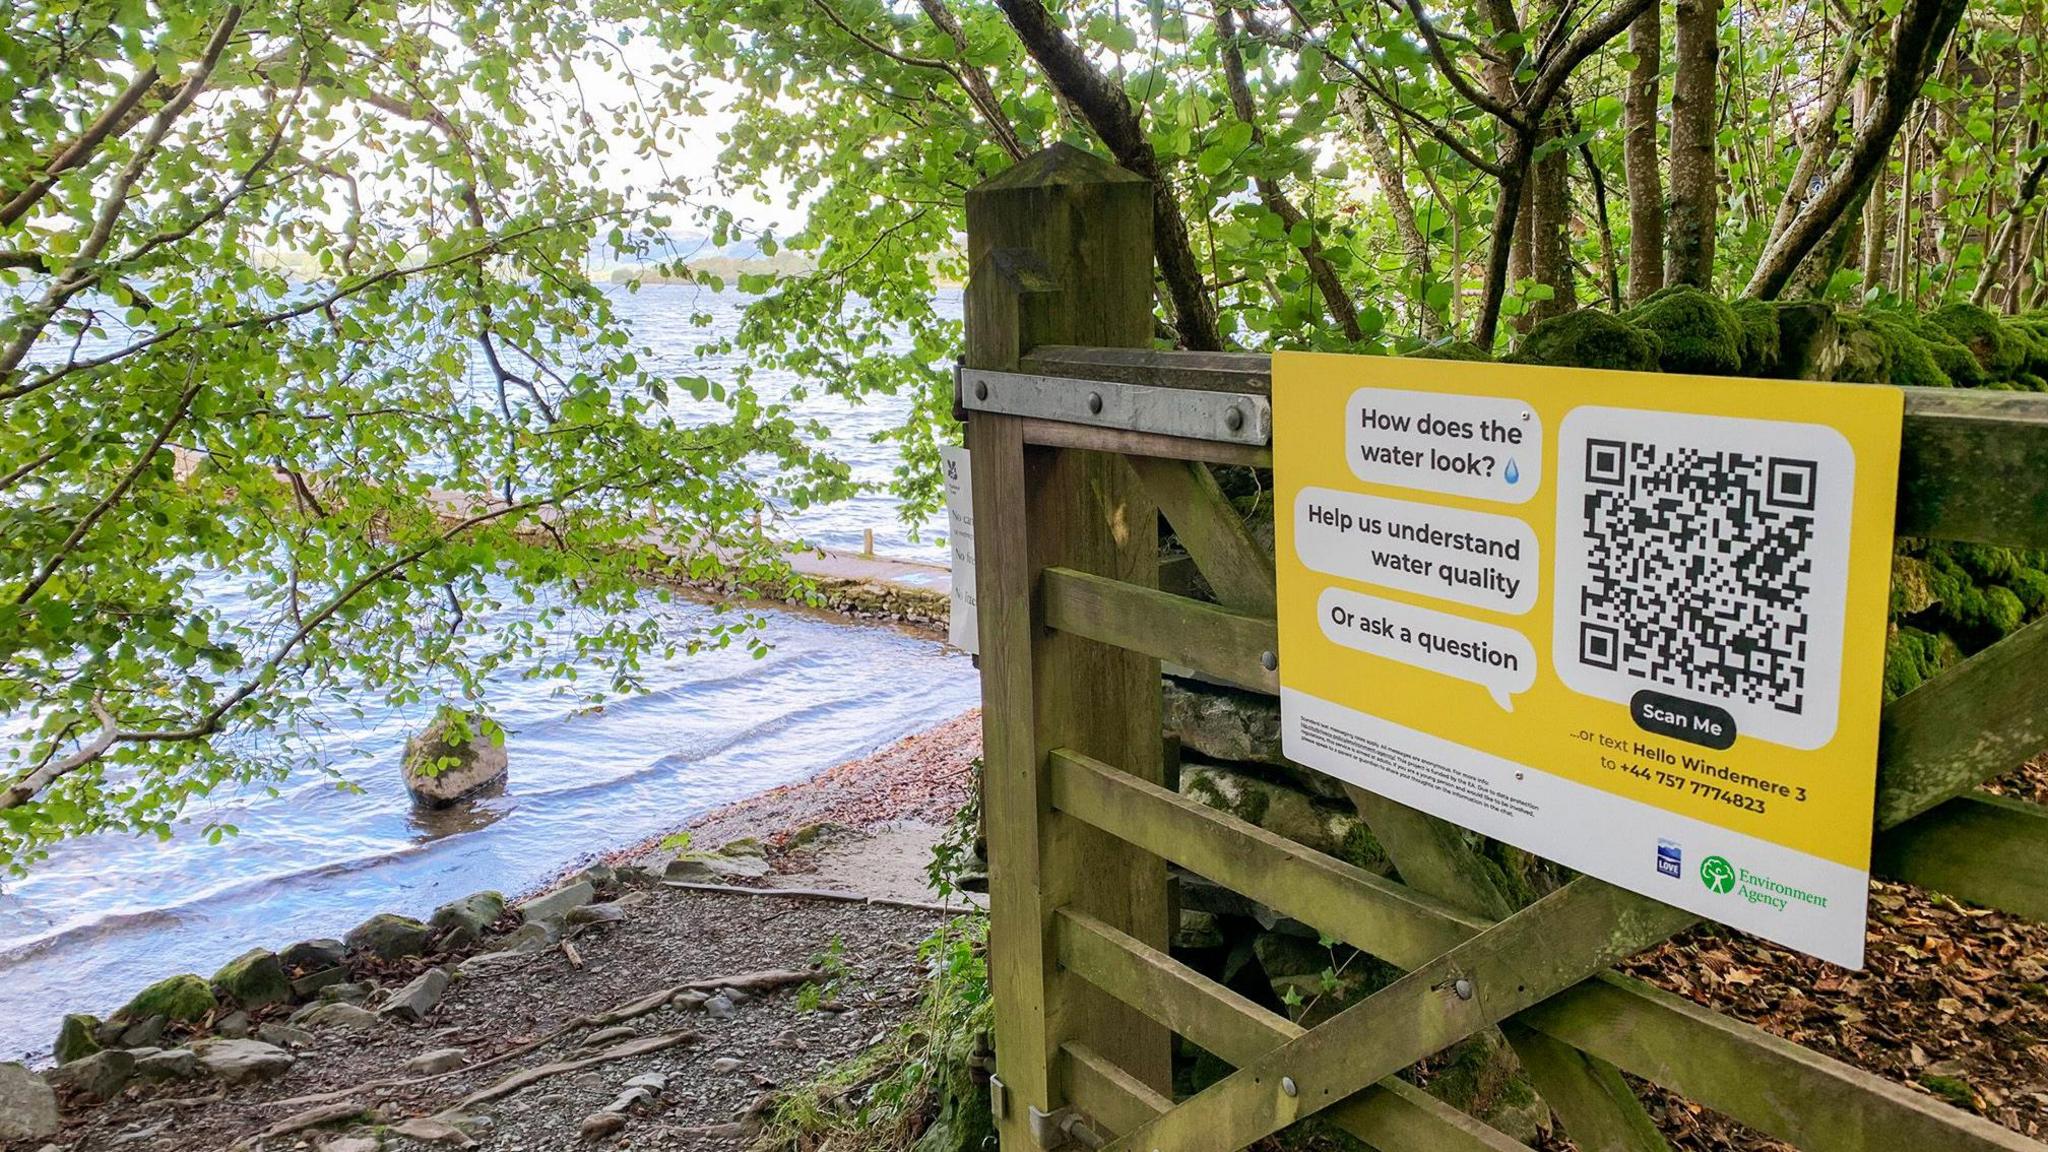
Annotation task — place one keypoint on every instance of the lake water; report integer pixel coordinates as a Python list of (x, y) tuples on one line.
[(106, 915)]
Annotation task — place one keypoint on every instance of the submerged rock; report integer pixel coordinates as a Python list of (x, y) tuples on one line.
[(28, 1105), (452, 759), (254, 979)]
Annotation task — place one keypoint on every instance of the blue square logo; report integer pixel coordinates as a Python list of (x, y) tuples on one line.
[(1670, 858)]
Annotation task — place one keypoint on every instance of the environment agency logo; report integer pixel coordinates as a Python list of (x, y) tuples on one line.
[(1717, 874)]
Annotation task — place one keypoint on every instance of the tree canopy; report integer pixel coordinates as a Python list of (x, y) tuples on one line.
[(286, 276), (299, 309)]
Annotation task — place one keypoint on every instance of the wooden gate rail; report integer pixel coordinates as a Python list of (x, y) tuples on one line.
[(1080, 824)]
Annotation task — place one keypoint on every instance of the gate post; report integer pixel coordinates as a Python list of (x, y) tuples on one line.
[(1060, 252)]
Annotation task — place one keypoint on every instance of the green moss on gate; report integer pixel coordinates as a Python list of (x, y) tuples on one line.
[(1760, 337), (1695, 332), (1589, 338)]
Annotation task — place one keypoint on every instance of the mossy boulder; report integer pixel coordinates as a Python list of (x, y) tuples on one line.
[(1980, 331), (1451, 350), (254, 979), (1589, 338), (77, 1038), (1806, 334), (181, 999), (1913, 363), (1948, 352), (464, 921), (389, 937), (1862, 355), (1760, 340), (1695, 332)]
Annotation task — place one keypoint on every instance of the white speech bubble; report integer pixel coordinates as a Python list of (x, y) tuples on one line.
[(1500, 660), (1479, 558), (1490, 447)]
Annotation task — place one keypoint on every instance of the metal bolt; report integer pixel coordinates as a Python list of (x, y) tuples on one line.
[(1233, 419), (1269, 661), (1463, 988), (981, 390), (1095, 403)]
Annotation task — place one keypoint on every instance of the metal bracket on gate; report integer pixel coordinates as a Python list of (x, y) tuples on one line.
[(1188, 413), (1057, 1129)]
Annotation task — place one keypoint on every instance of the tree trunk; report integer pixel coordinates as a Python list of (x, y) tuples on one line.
[(1695, 170), (1550, 219), (1639, 156), (1414, 245), (1922, 32)]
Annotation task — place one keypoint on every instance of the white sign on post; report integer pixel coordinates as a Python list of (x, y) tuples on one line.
[(962, 629)]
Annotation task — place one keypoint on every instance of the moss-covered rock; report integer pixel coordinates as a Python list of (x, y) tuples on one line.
[(1806, 331), (254, 979), (77, 1038), (1589, 338), (1314, 981), (1760, 338), (1913, 364), (182, 999), (1980, 332), (1452, 350), (1695, 332), (1861, 353), (388, 936), (1955, 360)]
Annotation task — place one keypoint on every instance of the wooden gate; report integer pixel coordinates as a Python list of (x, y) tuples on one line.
[(1082, 436)]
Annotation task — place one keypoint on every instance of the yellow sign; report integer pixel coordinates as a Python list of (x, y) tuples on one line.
[(1630, 622)]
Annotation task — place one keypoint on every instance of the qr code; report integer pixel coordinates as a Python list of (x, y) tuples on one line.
[(1699, 569), (1705, 557)]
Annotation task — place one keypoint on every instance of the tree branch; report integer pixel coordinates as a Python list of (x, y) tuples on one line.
[(1108, 111)]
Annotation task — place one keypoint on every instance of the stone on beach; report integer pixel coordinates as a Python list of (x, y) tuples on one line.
[(339, 1015), (557, 904), (76, 1038), (313, 955), (437, 1061), (183, 999), (606, 913), (242, 1061), (389, 937), (28, 1105), (98, 1077), (167, 1064), (254, 979), (414, 1001), (452, 759), (464, 921)]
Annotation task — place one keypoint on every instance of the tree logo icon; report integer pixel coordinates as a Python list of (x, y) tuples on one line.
[(1717, 874)]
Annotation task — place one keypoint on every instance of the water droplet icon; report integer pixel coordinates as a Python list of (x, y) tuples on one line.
[(1513, 474)]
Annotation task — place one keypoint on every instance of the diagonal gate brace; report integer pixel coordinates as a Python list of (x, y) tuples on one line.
[(1581, 929)]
